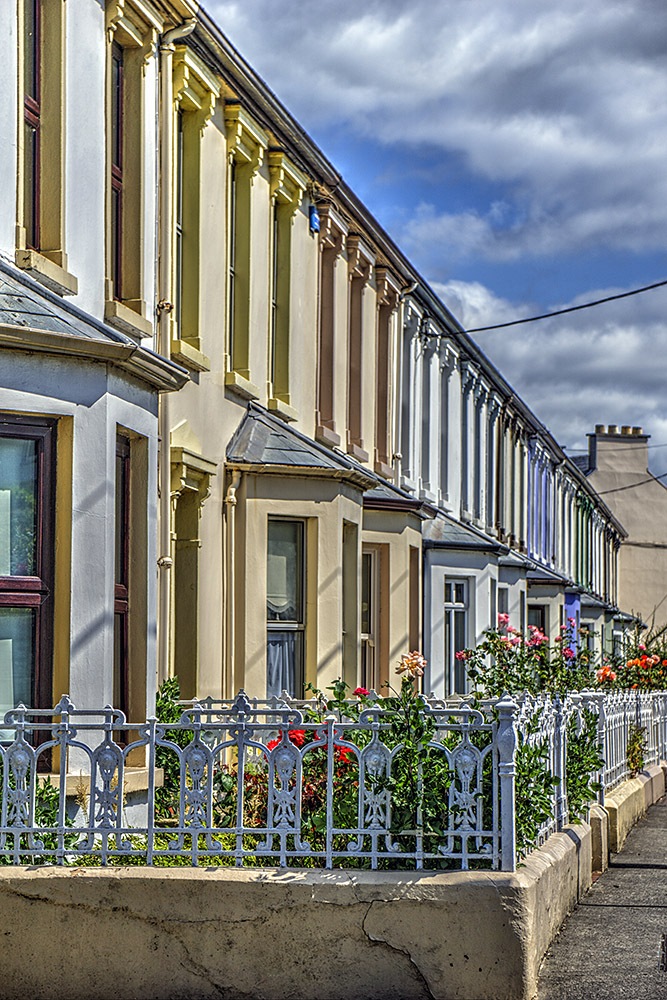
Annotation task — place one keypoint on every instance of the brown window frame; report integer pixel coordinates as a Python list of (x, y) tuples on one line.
[(117, 150), (122, 528), (32, 113), (37, 591)]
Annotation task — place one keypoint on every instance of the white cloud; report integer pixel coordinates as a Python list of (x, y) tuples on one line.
[(591, 367), (562, 102)]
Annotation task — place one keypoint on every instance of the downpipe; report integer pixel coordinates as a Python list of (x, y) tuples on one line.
[(165, 307), (230, 568)]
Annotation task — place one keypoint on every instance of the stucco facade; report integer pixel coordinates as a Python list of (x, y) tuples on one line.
[(617, 467), (78, 391), (341, 476)]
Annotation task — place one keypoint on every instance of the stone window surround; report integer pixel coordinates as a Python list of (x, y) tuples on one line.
[(132, 25), (287, 188), (247, 143), (360, 261), (48, 264), (333, 230), (194, 95), (388, 297)]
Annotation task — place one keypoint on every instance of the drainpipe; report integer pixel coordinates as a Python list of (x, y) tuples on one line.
[(164, 309), (230, 513)]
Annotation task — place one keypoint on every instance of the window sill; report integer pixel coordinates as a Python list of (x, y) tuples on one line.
[(189, 356), (126, 320), (384, 469), (56, 278), (282, 409), (324, 435), (357, 452), (240, 385)]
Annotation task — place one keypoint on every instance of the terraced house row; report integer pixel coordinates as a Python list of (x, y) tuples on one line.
[(241, 440)]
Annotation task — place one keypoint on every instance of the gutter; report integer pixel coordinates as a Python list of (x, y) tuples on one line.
[(359, 479), (133, 358)]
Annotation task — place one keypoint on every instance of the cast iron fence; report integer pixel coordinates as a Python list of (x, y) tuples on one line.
[(279, 782)]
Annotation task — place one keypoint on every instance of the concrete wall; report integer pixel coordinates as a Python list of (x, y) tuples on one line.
[(299, 933), (245, 933)]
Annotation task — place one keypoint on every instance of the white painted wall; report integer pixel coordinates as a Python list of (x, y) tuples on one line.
[(98, 402)]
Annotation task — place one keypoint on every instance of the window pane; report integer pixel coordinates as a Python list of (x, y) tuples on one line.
[(122, 520), (503, 601), (459, 644), (18, 506), (536, 616), (31, 49), (284, 572), (448, 593), (366, 592), (17, 659), (117, 106), (116, 241), (284, 663), (460, 598), (30, 144), (120, 662)]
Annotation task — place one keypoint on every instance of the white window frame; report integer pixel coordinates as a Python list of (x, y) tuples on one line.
[(451, 608)]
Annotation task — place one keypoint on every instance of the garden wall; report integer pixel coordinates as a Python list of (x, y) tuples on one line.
[(265, 933), (237, 933)]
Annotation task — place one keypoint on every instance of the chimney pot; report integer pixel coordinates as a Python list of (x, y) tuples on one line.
[(612, 429), (599, 428), (625, 430), (636, 430)]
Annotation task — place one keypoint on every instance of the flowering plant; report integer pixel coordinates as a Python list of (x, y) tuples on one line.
[(508, 661)]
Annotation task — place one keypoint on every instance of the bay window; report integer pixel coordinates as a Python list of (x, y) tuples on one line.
[(285, 607), (27, 505)]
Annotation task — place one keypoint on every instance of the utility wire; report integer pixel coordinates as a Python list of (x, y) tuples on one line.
[(632, 486), (572, 447), (570, 309)]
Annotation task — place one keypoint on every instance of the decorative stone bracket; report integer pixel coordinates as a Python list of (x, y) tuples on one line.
[(190, 472), (196, 89)]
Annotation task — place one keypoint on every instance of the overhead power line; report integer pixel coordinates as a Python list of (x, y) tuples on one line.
[(607, 451), (570, 309), (632, 486)]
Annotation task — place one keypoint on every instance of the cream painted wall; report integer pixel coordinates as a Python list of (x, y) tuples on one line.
[(622, 461), (325, 504), (386, 528)]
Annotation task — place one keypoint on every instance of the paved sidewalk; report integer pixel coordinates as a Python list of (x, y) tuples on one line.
[(610, 945)]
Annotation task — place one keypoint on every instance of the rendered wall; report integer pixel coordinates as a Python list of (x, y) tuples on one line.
[(242, 933), (96, 402)]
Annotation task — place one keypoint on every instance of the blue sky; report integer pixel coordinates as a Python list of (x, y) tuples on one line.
[(516, 152)]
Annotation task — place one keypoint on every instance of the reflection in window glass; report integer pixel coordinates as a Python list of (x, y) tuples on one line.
[(284, 571), (18, 496), (17, 659), (284, 608), (456, 631)]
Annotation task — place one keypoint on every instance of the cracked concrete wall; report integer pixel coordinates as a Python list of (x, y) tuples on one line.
[(265, 933)]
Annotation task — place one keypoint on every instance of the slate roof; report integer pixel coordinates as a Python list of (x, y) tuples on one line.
[(581, 462), (447, 533), (262, 439), (22, 305)]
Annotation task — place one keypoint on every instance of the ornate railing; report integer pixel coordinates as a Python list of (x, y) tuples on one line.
[(286, 783)]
